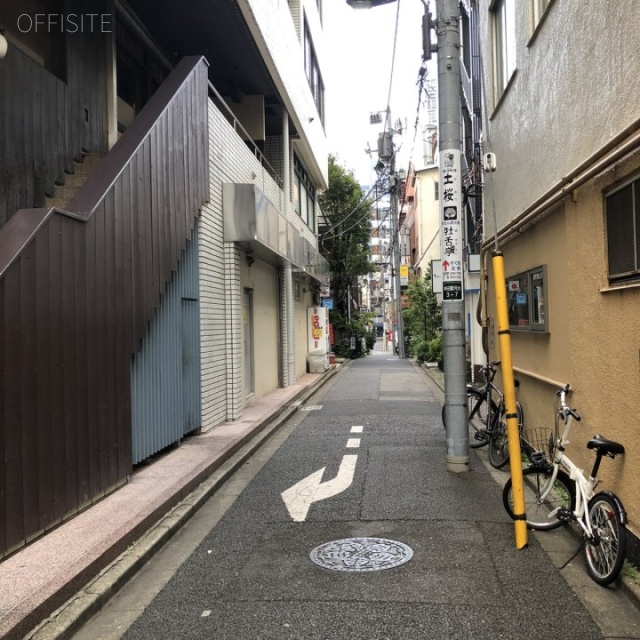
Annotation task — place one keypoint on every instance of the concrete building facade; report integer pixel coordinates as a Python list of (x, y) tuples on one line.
[(158, 247)]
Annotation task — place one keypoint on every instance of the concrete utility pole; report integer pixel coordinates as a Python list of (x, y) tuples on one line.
[(451, 234), (395, 244), (387, 153)]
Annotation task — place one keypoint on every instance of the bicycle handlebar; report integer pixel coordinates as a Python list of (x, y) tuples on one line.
[(573, 414), (565, 409), (490, 369)]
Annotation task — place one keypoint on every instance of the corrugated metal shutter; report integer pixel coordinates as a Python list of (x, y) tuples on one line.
[(165, 375)]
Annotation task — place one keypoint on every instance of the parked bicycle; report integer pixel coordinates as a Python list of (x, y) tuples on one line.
[(557, 492), (487, 419)]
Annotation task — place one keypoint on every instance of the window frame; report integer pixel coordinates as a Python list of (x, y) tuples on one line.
[(465, 40), (312, 71), (538, 10), (503, 44), (304, 199), (631, 234), (530, 318)]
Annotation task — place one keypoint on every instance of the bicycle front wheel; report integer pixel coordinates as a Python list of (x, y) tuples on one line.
[(605, 555), (538, 509), (498, 446)]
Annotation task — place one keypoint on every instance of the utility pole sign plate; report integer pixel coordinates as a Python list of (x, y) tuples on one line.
[(451, 225)]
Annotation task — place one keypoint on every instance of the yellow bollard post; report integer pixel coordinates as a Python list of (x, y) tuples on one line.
[(509, 388)]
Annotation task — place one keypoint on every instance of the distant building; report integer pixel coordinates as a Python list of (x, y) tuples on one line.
[(423, 217)]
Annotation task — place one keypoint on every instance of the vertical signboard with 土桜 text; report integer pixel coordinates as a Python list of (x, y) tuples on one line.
[(451, 225)]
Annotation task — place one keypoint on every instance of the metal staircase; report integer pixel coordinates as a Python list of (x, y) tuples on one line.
[(73, 182)]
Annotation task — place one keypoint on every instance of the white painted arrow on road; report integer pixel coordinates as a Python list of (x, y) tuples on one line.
[(303, 494)]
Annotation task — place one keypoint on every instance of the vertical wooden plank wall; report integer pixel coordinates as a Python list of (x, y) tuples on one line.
[(77, 292), (46, 123)]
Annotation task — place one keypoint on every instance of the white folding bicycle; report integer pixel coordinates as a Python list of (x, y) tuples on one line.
[(558, 492)]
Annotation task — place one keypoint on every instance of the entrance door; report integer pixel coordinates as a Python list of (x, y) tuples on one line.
[(247, 319)]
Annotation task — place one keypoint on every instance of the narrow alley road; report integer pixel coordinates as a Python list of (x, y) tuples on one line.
[(346, 524)]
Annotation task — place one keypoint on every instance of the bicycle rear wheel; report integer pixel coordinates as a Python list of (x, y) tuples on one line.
[(605, 556), (536, 479), (498, 446), (499, 442), (477, 415), (478, 410)]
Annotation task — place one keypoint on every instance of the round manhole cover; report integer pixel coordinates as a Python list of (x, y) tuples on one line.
[(361, 554)]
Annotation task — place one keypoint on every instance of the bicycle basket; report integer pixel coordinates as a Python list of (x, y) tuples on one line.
[(538, 440)]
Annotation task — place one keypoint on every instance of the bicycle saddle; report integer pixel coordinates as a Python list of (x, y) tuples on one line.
[(604, 446)]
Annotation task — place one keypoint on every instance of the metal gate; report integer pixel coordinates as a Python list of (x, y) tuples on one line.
[(165, 374)]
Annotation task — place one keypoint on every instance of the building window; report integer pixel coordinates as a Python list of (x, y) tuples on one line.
[(313, 72), (504, 44), (527, 300), (465, 39), (304, 195), (538, 8), (623, 232), (467, 135)]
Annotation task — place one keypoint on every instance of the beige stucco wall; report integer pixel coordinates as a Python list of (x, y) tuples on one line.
[(593, 341), (574, 90), (427, 217)]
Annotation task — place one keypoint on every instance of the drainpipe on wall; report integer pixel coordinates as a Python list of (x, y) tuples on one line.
[(481, 310), (287, 311), (291, 365)]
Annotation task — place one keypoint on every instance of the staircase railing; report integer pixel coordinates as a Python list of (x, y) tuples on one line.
[(77, 290)]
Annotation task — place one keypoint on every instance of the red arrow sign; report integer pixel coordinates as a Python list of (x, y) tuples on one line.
[(445, 265)]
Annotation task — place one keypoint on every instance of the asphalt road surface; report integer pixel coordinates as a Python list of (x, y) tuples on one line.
[(407, 550)]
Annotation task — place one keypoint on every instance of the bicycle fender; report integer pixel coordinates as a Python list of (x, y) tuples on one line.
[(619, 507)]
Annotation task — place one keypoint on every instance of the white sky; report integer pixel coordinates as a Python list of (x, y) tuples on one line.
[(359, 48)]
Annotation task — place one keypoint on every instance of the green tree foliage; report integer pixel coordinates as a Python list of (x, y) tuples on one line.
[(359, 327), (423, 321), (344, 241)]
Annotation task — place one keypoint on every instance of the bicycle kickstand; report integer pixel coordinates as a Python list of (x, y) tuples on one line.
[(580, 548)]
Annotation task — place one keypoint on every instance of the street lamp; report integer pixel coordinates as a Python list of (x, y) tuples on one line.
[(3, 44), (427, 24)]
